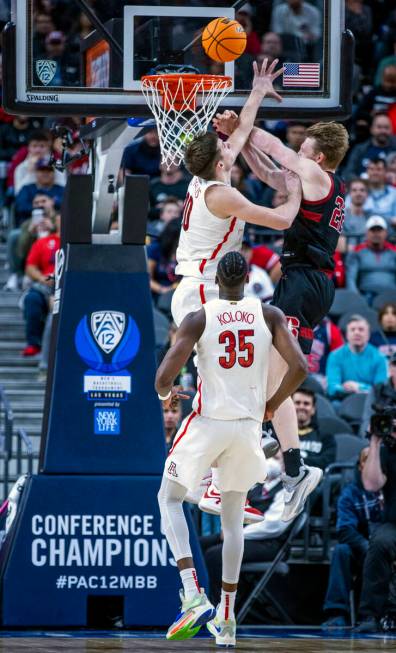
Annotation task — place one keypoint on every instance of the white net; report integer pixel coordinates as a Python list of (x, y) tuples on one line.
[(183, 106)]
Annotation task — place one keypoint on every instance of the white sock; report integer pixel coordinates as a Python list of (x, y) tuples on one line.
[(190, 582), (227, 605), (215, 477)]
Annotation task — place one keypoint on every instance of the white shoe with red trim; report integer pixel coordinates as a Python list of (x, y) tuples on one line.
[(211, 503)]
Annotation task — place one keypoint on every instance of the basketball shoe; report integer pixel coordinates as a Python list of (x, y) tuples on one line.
[(297, 489), (211, 503), (224, 630), (194, 613)]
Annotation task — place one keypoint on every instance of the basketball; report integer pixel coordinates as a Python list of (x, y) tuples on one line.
[(224, 39)]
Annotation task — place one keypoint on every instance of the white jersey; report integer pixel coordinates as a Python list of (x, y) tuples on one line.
[(233, 354), (204, 238)]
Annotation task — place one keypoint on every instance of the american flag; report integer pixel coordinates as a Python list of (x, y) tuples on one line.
[(301, 74)]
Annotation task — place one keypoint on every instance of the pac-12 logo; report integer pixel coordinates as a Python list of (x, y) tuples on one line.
[(111, 332), (46, 69)]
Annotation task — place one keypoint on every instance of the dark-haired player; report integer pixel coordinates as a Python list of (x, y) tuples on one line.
[(233, 336), (305, 291)]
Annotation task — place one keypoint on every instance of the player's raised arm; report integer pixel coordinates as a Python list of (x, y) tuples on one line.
[(262, 86), (290, 351), (224, 201), (187, 335)]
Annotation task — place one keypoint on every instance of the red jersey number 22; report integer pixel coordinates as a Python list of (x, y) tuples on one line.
[(338, 215)]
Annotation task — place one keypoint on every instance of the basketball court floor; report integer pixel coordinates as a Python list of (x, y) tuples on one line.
[(277, 640)]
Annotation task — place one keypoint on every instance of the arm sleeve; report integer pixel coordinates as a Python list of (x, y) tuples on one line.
[(272, 526), (334, 375)]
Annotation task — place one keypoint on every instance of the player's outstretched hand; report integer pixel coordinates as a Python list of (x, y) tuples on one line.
[(293, 183), (264, 78), (175, 397), (225, 122)]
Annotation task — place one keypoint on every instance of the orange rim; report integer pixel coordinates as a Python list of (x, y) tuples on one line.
[(171, 82)]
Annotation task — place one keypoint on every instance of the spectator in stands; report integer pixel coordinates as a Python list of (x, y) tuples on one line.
[(169, 210), (262, 539), (45, 184), (382, 393), (272, 47), (268, 260), (354, 230), (143, 155), (43, 25), (172, 420), (250, 188), (39, 145), (379, 473), (371, 266), (389, 60), (67, 71), (40, 265), (172, 181), (259, 283), (299, 18), (391, 169), (382, 197), (378, 146), (358, 512), (358, 19), (385, 339), (327, 338), (244, 17), (161, 257), (356, 366), (295, 134), (317, 448), (13, 135), (380, 98)]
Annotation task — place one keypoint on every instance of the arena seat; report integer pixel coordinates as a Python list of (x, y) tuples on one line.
[(265, 570), (351, 409), (346, 301), (334, 425), (384, 297), (324, 407), (348, 447)]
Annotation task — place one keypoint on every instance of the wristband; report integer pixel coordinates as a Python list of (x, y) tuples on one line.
[(165, 397)]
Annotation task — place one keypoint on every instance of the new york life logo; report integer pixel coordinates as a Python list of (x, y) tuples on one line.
[(107, 341)]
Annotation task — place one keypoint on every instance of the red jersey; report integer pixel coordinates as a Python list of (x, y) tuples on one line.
[(264, 257), (42, 254)]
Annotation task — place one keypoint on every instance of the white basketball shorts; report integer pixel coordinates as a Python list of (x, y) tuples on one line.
[(235, 444), (190, 295)]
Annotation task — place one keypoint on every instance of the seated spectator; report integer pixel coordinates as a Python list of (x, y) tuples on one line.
[(391, 169), (19, 241), (39, 145), (317, 449), (380, 98), (67, 72), (169, 210), (327, 338), (354, 229), (272, 47), (382, 197), (143, 155), (300, 19), (385, 339), (171, 181), (161, 257), (268, 260), (356, 366), (259, 283), (250, 188), (389, 60), (295, 134), (262, 539), (40, 265), (172, 420), (359, 511), (45, 184), (379, 146), (372, 265), (13, 135)]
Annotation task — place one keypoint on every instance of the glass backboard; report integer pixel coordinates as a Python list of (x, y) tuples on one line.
[(89, 61)]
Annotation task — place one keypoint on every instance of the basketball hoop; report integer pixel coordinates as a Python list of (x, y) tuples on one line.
[(183, 105)]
